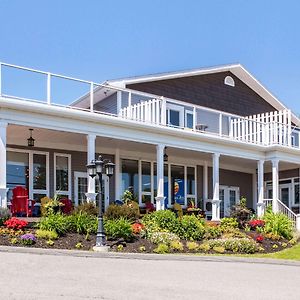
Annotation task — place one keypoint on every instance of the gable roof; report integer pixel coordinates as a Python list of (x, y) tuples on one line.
[(237, 69)]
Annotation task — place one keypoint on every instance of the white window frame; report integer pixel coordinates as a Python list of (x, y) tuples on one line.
[(30, 153), (69, 191), (188, 112), (178, 108), (226, 203)]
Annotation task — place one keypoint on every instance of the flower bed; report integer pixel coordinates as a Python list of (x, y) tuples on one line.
[(158, 232)]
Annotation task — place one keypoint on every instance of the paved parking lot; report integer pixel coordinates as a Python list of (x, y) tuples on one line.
[(36, 276)]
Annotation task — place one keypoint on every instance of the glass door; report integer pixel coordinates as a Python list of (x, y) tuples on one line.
[(285, 194)]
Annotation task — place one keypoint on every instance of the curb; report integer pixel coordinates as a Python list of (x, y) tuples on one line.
[(147, 256)]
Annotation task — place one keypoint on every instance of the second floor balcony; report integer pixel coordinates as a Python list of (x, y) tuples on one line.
[(266, 129)]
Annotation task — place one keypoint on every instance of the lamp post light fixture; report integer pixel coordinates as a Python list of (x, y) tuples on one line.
[(97, 168)]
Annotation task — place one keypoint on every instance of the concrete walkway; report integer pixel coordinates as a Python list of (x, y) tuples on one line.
[(29, 273)]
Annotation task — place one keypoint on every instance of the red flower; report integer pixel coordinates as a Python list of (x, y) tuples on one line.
[(15, 223), (259, 238), (256, 223), (137, 227)]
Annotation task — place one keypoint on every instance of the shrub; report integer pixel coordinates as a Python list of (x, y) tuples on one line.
[(56, 222), (212, 232), (205, 247), (191, 228), (128, 211), (14, 241), (229, 223), (259, 238), (241, 212), (28, 239), (119, 228), (219, 249), (88, 208), (176, 246), (5, 214), (15, 223), (78, 245), (278, 224), (46, 234), (142, 248), (243, 245), (233, 233), (120, 248), (163, 238), (192, 246), (81, 222), (161, 249), (50, 243), (162, 220)]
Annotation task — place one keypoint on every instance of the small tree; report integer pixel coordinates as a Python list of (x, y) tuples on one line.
[(241, 212)]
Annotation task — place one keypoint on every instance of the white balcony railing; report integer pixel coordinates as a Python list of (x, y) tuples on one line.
[(25, 84)]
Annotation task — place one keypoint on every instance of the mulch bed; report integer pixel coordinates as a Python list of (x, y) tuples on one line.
[(139, 245)]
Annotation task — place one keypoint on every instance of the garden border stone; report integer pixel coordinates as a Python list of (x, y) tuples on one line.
[(145, 256)]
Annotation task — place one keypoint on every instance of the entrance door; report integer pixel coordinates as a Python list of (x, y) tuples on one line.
[(285, 193), (81, 186), (229, 196)]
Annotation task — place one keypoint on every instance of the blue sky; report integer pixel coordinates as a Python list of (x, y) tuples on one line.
[(98, 40)]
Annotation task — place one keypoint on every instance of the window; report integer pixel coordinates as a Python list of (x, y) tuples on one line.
[(130, 176), (229, 81), (189, 119), (146, 181), (297, 198), (62, 176)]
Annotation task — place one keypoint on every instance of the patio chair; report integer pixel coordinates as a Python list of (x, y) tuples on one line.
[(20, 202)]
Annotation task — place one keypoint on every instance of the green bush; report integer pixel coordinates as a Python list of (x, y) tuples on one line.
[(229, 223), (219, 249), (278, 224), (236, 245), (163, 238), (5, 214), (119, 228), (205, 247), (241, 213), (176, 246), (212, 232), (162, 220), (128, 211), (46, 234), (191, 228), (162, 249), (230, 232), (56, 222), (87, 207), (192, 246), (82, 222)]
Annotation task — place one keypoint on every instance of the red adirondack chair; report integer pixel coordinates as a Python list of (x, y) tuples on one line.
[(20, 201)]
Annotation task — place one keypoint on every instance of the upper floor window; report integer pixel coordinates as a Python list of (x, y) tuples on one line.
[(229, 81)]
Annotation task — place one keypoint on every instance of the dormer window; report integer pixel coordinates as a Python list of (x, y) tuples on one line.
[(229, 81)]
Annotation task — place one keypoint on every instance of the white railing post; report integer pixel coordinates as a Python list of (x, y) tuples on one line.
[(194, 118), (49, 88), (92, 97), (275, 184), (220, 124), (163, 111), (289, 128)]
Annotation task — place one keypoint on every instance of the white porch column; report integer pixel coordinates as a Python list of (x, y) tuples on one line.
[(3, 189), (160, 198), (216, 188), (275, 184), (205, 183), (91, 150), (117, 175), (260, 187)]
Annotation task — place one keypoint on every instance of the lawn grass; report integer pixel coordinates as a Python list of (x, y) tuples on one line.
[(291, 253)]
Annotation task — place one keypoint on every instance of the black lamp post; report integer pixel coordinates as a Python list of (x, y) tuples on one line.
[(98, 167)]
